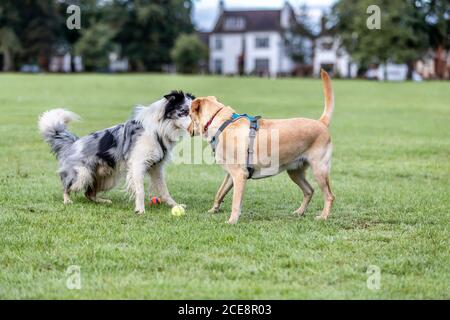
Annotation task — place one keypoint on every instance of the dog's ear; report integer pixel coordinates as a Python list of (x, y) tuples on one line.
[(196, 104), (169, 97)]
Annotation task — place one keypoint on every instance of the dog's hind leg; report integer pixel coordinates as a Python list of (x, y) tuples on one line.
[(226, 186), (91, 194), (298, 176), (67, 178), (321, 170)]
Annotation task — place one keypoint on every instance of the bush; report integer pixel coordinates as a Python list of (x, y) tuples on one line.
[(188, 52)]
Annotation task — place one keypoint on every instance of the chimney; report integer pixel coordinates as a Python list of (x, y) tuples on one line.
[(221, 6), (323, 22)]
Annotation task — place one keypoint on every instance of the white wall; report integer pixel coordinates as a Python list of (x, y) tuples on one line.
[(232, 46), (395, 72), (229, 54), (272, 53)]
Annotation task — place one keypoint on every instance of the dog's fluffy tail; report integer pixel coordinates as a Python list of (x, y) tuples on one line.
[(329, 98), (53, 128)]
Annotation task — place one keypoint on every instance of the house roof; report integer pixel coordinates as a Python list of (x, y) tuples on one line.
[(255, 20)]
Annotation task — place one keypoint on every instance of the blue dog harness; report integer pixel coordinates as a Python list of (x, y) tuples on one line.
[(254, 126)]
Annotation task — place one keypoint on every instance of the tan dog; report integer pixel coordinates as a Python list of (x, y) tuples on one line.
[(295, 144)]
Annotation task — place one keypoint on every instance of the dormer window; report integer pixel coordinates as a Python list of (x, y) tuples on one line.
[(234, 24)]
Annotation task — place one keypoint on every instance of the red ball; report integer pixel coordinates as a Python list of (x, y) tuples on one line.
[(154, 201)]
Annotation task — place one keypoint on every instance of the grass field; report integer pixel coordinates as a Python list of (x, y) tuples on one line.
[(390, 175)]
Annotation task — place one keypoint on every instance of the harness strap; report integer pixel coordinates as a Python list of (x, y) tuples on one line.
[(254, 126), (215, 138), (251, 142)]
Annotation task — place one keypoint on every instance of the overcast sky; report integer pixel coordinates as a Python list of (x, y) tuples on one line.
[(205, 11)]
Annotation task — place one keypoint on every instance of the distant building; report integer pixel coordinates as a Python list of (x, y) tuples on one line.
[(251, 42), (390, 72), (61, 59), (116, 63), (331, 56)]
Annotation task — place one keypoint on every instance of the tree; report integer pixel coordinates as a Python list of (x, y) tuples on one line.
[(29, 30), (40, 29), (437, 19), (91, 12), (147, 29), (402, 38), (299, 39), (188, 52), (144, 31), (10, 43), (94, 46)]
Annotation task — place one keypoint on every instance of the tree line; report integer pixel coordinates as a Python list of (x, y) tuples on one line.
[(143, 31), (408, 30), (154, 33)]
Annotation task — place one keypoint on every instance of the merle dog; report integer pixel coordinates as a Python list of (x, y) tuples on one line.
[(141, 145)]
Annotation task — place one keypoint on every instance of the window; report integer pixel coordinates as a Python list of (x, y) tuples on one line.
[(262, 66), (218, 66), (218, 45), (234, 23), (262, 42)]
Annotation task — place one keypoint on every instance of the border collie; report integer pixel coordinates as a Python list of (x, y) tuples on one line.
[(141, 145)]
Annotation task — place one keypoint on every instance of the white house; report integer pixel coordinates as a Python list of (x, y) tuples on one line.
[(332, 57), (251, 42)]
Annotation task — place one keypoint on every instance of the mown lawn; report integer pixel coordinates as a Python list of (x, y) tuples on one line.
[(390, 175)]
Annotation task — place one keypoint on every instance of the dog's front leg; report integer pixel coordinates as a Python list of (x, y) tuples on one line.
[(158, 183), (239, 181), (135, 185), (67, 197), (226, 186)]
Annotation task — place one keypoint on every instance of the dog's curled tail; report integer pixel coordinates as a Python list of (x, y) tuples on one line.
[(329, 98), (53, 128)]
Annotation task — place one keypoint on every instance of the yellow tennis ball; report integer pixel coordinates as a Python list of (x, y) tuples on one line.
[(178, 211)]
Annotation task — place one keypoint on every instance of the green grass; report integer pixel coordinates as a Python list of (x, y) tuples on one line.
[(390, 175)]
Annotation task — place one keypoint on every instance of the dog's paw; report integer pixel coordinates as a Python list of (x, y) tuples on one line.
[(139, 211), (68, 201), (213, 210), (299, 213), (232, 221), (181, 205), (321, 218), (101, 200)]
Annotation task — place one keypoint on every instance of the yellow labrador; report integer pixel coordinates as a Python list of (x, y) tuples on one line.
[(282, 144)]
